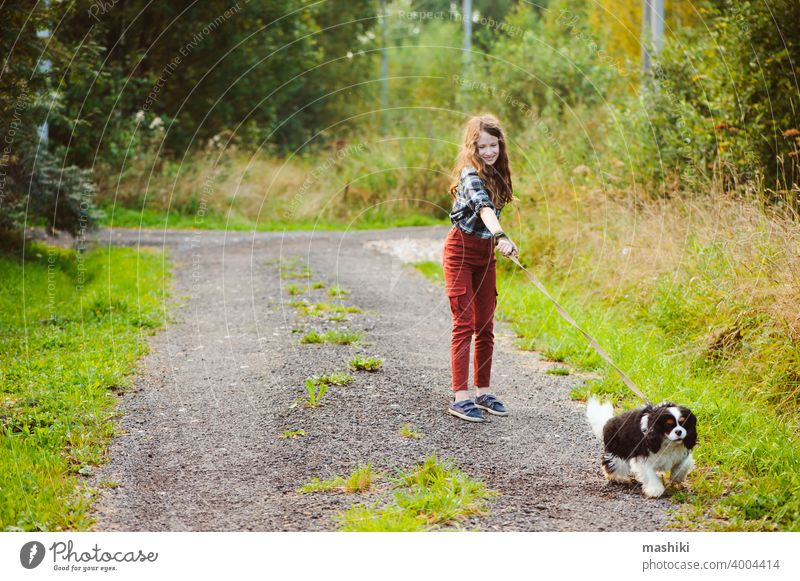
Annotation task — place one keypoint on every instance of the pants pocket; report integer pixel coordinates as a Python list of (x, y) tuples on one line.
[(457, 296)]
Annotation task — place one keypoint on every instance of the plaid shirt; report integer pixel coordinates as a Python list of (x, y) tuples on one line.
[(471, 196)]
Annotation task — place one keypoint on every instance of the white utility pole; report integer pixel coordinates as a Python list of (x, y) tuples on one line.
[(466, 8), (384, 69), (652, 30)]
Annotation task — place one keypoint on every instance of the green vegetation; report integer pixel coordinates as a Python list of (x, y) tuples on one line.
[(360, 480), (361, 363), (317, 485), (701, 336), (71, 335), (335, 378), (315, 391), (291, 434), (306, 309), (317, 386), (336, 337), (293, 267), (429, 496), (558, 371), (408, 431), (293, 290), (337, 291), (660, 208)]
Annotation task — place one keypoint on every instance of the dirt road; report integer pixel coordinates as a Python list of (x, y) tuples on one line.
[(201, 448)]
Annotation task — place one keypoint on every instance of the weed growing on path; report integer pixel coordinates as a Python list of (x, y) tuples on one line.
[(318, 309), (315, 390), (294, 290), (360, 480), (407, 431), (317, 386), (288, 434), (335, 378), (558, 371), (317, 485), (294, 267), (337, 291), (336, 337), (360, 363), (430, 495), (311, 337), (374, 519)]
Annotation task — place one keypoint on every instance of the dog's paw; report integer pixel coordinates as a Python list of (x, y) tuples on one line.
[(653, 490)]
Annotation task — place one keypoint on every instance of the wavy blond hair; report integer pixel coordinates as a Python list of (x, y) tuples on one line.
[(496, 177)]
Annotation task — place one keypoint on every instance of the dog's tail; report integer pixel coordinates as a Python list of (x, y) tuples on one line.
[(598, 414)]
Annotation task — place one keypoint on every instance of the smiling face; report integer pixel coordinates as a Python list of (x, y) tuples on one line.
[(488, 147)]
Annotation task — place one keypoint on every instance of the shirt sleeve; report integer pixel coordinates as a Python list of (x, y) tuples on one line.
[(475, 192)]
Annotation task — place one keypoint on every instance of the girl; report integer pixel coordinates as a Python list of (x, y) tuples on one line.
[(481, 188)]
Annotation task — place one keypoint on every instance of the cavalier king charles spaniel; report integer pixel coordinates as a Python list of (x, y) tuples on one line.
[(643, 442)]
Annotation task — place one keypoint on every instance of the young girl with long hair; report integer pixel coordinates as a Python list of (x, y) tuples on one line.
[(480, 190)]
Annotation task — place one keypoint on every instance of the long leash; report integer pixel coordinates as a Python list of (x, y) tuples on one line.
[(595, 345)]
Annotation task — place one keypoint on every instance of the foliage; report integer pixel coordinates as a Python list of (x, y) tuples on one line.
[(59, 372)]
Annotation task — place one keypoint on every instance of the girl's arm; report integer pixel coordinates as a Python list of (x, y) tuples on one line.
[(504, 245), (490, 220)]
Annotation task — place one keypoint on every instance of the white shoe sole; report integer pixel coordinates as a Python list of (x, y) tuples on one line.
[(452, 412), (487, 410)]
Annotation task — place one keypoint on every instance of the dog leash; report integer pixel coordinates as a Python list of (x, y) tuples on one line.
[(595, 345)]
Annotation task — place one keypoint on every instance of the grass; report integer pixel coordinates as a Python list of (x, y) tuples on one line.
[(294, 290), (317, 485), (293, 267), (558, 371), (127, 217), (432, 270), (305, 309), (337, 291), (376, 519), (361, 363), (335, 378), (317, 386), (335, 337), (315, 391), (291, 434), (360, 480), (408, 431), (73, 327), (711, 324), (429, 496)]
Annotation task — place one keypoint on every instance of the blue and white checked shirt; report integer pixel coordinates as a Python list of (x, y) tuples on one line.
[(471, 196)]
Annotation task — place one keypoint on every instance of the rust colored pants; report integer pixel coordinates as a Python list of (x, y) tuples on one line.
[(471, 287)]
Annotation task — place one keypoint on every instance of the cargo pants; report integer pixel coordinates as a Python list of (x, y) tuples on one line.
[(471, 286)]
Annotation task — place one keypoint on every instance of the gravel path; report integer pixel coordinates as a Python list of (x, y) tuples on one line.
[(201, 450)]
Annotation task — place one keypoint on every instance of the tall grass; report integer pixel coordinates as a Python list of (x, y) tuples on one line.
[(697, 300)]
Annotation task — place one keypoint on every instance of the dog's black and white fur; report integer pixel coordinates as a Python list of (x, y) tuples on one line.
[(643, 442)]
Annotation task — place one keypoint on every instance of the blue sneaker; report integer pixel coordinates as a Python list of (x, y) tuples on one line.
[(491, 404), (466, 410)]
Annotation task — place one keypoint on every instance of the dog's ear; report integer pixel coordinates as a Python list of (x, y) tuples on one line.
[(653, 439), (690, 423), (652, 433)]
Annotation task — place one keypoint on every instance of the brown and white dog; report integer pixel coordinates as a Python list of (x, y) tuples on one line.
[(643, 442)]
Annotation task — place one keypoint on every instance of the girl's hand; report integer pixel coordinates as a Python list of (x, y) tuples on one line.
[(507, 247)]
